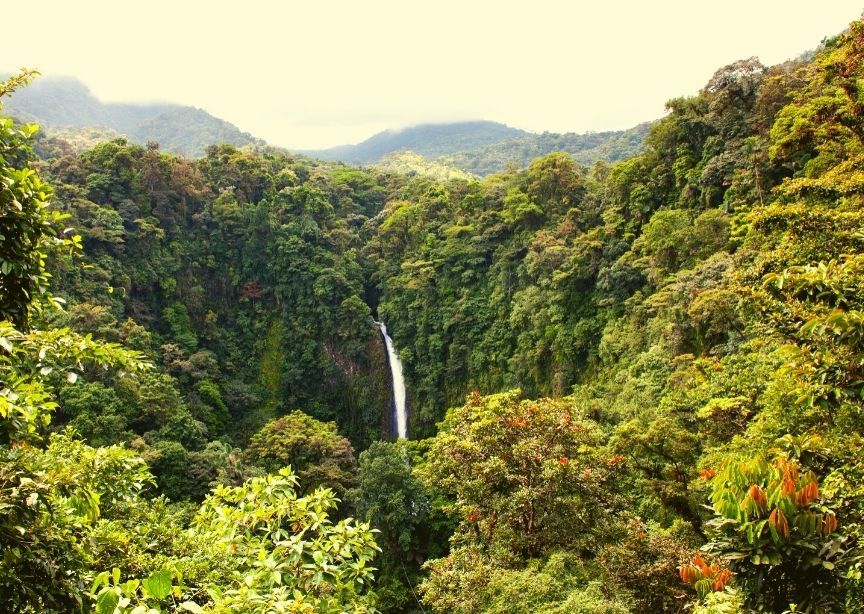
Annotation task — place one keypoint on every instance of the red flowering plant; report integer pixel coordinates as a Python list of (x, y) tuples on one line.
[(774, 531), (705, 577), (528, 474)]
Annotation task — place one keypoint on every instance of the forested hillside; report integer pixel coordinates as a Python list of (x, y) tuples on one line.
[(239, 274), (483, 148), (634, 386), (428, 140), (520, 151), (65, 108)]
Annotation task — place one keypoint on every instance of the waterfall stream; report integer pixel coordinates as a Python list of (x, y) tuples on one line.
[(398, 384)]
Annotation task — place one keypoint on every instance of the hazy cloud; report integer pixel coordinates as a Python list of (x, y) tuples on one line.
[(315, 74)]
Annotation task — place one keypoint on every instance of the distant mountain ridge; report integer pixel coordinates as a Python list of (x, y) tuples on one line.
[(428, 140), (66, 108), (61, 104), (485, 147), (586, 148)]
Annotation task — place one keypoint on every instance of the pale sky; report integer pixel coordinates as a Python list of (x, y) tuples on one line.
[(320, 73)]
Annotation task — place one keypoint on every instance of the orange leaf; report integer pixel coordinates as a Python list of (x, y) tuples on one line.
[(758, 495), (829, 524), (779, 522)]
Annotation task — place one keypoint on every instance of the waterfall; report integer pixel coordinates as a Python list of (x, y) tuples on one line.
[(398, 384)]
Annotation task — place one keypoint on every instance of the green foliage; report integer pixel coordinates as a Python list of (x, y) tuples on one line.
[(389, 496), (525, 478), (518, 208), (524, 475), (481, 148), (424, 139), (665, 236), (720, 603), (51, 500), (28, 229), (519, 151), (644, 563), (257, 547), (30, 365), (67, 509), (472, 583), (175, 244), (410, 164), (218, 417), (177, 317), (679, 317), (112, 596), (701, 301), (94, 411), (286, 551), (778, 535), (313, 449), (410, 528)]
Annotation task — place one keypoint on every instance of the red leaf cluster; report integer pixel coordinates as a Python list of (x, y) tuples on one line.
[(699, 570)]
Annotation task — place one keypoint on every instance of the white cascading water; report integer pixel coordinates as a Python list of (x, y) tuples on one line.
[(398, 384)]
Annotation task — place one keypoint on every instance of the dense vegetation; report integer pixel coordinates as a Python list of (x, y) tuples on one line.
[(587, 148), (481, 148), (634, 387)]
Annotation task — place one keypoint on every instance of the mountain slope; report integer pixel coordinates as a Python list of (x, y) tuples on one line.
[(484, 147), (189, 130), (64, 105), (585, 148), (428, 140)]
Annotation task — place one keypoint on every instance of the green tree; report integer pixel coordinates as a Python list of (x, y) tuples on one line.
[(288, 552), (313, 449), (28, 228), (390, 497), (780, 536), (524, 475)]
